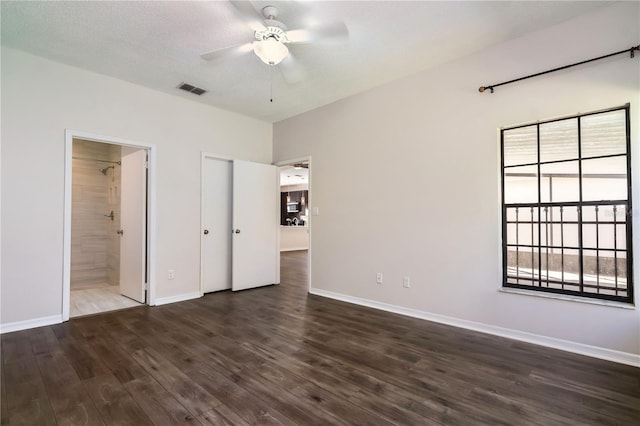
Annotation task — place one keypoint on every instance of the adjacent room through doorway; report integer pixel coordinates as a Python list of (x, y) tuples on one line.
[(294, 217), (98, 282)]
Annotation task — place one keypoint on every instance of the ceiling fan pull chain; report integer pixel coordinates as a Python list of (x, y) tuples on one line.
[(271, 84)]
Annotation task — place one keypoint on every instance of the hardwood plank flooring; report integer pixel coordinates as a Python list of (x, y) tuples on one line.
[(278, 356)]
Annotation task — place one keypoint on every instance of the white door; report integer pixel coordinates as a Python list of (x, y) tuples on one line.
[(216, 225), (255, 225), (133, 200)]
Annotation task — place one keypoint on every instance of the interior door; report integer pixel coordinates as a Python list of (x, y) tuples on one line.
[(216, 224), (255, 225), (133, 212)]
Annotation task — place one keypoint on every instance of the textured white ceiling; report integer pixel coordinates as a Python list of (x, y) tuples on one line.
[(289, 175), (158, 43)]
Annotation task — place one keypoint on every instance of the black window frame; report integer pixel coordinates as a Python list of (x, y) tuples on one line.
[(542, 206)]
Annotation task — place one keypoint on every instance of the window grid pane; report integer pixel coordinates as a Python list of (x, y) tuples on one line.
[(520, 146), (603, 134), (566, 227), (559, 140)]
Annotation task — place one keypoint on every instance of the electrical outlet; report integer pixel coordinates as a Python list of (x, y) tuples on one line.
[(406, 282), (379, 277), (172, 274)]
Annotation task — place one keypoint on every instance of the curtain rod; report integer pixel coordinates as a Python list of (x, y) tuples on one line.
[(631, 52)]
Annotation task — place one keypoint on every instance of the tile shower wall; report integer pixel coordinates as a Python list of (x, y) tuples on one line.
[(94, 243), (113, 203)]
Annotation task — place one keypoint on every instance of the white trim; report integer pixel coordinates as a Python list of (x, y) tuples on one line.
[(567, 297), (32, 323), (564, 345), (66, 227), (151, 212), (295, 248), (293, 161), (151, 217), (279, 216), (309, 218), (178, 298)]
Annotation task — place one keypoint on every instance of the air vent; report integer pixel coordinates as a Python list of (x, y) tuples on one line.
[(193, 89)]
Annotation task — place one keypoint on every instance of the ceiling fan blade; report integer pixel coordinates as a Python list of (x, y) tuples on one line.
[(328, 33), (247, 13), (291, 70), (227, 52)]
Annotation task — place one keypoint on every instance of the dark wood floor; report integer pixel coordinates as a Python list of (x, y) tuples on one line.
[(277, 356)]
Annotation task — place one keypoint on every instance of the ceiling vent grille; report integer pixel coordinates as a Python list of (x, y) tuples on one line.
[(192, 89)]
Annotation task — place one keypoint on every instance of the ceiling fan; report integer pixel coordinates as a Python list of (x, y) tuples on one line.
[(272, 37)]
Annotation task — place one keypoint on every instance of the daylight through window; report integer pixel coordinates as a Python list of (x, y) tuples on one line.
[(566, 206)]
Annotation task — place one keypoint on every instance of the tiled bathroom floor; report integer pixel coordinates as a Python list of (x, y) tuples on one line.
[(100, 299)]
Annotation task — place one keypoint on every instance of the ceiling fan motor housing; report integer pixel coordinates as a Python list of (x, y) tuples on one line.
[(270, 12), (275, 29), (274, 33)]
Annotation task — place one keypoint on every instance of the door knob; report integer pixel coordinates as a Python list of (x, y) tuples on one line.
[(120, 232), (237, 231), (206, 231)]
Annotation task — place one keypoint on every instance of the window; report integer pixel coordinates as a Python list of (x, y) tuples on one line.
[(566, 206)]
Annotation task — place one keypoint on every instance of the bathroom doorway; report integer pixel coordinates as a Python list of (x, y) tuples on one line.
[(107, 232)]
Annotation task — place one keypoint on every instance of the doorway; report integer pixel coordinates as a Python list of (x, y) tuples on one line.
[(295, 218), (108, 228)]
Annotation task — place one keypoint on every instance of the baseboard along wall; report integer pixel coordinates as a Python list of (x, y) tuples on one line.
[(565, 345), (31, 323)]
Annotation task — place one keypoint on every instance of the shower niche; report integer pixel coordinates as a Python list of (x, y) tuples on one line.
[(95, 215)]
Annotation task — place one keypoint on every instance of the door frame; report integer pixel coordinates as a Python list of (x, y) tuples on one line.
[(309, 219), (204, 156), (70, 135)]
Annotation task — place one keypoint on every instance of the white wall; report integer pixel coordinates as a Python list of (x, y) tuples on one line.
[(40, 99), (424, 198), (294, 238)]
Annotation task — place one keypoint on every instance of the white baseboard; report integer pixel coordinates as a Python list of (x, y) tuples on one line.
[(178, 298), (565, 345), (32, 323)]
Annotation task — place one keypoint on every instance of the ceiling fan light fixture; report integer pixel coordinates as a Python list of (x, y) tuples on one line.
[(270, 51)]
